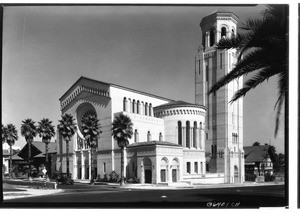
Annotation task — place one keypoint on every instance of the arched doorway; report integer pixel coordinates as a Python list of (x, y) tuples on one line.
[(87, 169), (236, 174), (164, 170), (79, 169), (147, 170), (175, 169)]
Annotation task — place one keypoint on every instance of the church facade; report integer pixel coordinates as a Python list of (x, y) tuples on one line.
[(173, 141)]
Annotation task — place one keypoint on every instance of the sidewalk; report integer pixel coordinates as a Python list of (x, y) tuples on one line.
[(27, 192), (23, 191), (196, 186)]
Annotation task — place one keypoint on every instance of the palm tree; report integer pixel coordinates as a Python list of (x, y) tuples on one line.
[(46, 132), (11, 136), (263, 50), (28, 130), (67, 128), (3, 133), (91, 131), (122, 131)]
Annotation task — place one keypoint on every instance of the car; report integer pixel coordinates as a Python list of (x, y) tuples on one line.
[(63, 178)]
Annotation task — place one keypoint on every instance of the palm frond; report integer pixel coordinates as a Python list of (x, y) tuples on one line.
[(264, 74)]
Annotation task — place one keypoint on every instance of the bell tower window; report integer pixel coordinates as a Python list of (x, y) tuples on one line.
[(211, 38), (223, 32)]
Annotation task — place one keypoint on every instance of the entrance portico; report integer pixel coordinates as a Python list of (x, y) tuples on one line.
[(156, 161)]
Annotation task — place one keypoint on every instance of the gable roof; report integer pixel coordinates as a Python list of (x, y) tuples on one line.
[(113, 85), (180, 103), (37, 147), (256, 153), (41, 146)]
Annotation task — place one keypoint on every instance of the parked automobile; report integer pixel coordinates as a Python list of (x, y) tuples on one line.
[(64, 179)]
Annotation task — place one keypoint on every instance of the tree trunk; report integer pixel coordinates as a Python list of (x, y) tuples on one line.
[(29, 159), (92, 168), (122, 167), (10, 161), (46, 160), (67, 157)]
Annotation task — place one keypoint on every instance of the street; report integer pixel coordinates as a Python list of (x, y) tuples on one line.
[(102, 196)]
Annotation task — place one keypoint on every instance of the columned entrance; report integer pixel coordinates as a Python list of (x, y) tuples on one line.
[(87, 169), (174, 175), (147, 170), (79, 169), (164, 170), (175, 169), (236, 174)]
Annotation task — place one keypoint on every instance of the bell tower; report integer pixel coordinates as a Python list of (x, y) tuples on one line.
[(224, 121)]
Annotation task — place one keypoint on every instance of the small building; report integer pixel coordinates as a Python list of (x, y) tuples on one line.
[(258, 160), (38, 157), (5, 156)]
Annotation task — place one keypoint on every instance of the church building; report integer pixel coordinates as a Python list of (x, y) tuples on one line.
[(173, 141)]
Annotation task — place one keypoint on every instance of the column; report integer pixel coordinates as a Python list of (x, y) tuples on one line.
[(134, 106), (127, 105), (130, 105), (90, 165), (183, 137), (191, 137), (151, 110), (216, 37), (200, 138), (75, 166), (197, 138), (169, 170), (82, 166), (142, 108), (206, 39)]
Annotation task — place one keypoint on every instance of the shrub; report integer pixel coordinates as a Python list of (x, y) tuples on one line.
[(98, 178), (114, 177), (250, 177), (133, 180), (269, 177), (105, 178), (55, 175)]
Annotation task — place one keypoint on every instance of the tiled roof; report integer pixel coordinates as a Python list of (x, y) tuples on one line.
[(5, 152), (16, 157), (173, 104), (164, 143), (41, 146), (114, 85), (255, 153)]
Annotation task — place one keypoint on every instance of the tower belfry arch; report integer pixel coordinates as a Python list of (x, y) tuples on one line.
[(224, 121)]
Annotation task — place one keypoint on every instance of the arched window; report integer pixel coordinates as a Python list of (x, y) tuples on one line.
[(130, 105), (136, 136), (201, 167), (179, 132), (138, 105), (211, 38), (133, 106), (160, 137), (188, 134), (223, 32), (195, 135), (232, 33), (148, 136), (146, 108), (124, 104), (150, 109)]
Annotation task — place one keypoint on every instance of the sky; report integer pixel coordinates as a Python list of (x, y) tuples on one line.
[(147, 48)]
